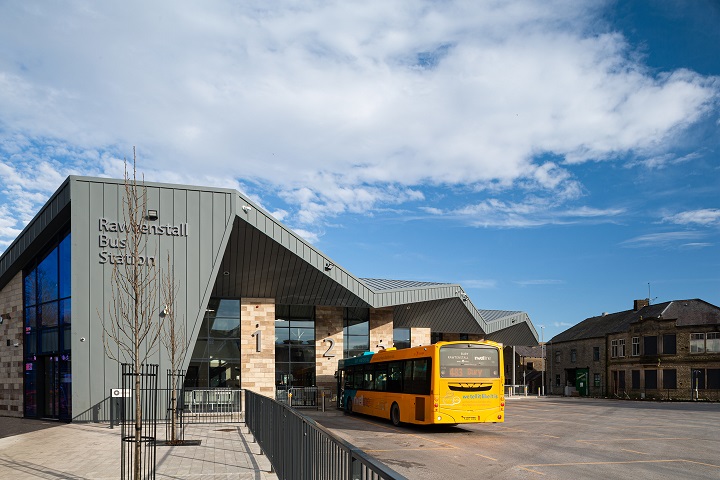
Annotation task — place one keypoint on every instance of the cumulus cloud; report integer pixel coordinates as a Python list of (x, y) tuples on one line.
[(336, 107)]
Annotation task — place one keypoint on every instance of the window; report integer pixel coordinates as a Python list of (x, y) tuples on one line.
[(712, 343), (558, 356), (557, 380), (621, 380), (669, 344), (417, 376), (530, 365), (215, 359), (635, 347), (48, 319), (713, 378), (573, 355), (401, 337), (613, 348), (651, 379), (596, 379), (670, 378), (356, 331), (635, 378), (697, 343), (621, 347), (436, 337), (650, 345), (596, 354), (294, 346)]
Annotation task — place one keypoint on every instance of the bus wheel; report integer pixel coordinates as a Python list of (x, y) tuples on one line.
[(395, 414)]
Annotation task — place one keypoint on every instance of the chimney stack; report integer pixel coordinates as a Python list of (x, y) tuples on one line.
[(639, 304)]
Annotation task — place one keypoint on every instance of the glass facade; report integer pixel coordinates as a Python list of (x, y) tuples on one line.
[(401, 337), (215, 360), (356, 331), (294, 346), (48, 319)]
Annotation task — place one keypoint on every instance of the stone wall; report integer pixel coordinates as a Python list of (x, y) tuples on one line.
[(328, 331), (419, 336), (11, 356), (257, 369), (381, 328)]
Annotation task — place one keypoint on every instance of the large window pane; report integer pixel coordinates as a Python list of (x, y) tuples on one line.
[(224, 327), (47, 276), (223, 348), (697, 343), (48, 313), (65, 275), (650, 344), (49, 340), (651, 379), (355, 327), (65, 312), (30, 290), (670, 378), (304, 336), (299, 353), (712, 342), (228, 308), (303, 374), (357, 343)]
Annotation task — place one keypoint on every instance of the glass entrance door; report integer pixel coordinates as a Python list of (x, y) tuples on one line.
[(50, 378)]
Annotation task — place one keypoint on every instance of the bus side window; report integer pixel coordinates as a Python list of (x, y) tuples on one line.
[(358, 378), (381, 377), (395, 377), (417, 376), (368, 377), (348, 378)]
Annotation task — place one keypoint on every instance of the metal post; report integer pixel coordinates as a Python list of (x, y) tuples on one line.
[(542, 350), (513, 369)]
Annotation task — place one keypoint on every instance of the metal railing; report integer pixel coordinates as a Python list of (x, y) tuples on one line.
[(215, 405), (300, 449), (303, 396)]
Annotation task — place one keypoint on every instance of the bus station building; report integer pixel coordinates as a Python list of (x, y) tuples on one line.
[(262, 308)]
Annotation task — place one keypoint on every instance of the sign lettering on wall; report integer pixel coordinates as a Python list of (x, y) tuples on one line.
[(113, 246)]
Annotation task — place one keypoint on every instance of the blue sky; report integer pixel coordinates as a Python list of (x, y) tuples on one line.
[(556, 157)]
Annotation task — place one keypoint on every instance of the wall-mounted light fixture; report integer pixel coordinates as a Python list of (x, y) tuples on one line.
[(328, 266), (246, 208), (152, 215)]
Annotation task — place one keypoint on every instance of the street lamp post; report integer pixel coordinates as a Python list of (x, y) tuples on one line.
[(542, 343)]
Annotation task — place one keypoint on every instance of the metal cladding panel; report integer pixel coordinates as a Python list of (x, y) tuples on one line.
[(447, 315), (519, 334), (192, 227), (256, 266)]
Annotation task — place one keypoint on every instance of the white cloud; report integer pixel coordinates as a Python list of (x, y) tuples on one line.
[(479, 283), (705, 216), (664, 239), (337, 107), (526, 283)]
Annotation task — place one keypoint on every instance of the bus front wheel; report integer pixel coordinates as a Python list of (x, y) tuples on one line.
[(395, 414)]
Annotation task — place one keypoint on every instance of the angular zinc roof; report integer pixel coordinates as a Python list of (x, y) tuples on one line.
[(265, 259)]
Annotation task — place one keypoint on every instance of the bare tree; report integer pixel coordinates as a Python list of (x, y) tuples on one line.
[(134, 325), (174, 339)]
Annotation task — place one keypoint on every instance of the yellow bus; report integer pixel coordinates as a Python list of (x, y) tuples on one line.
[(443, 383)]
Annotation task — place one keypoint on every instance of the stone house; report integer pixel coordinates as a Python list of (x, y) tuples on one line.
[(670, 350)]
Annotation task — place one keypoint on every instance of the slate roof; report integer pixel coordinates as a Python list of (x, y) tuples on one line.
[(684, 312)]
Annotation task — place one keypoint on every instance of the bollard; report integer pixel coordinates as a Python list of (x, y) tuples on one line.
[(290, 399)]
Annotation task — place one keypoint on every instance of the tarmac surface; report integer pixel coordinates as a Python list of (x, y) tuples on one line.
[(549, 438), (31, 449)]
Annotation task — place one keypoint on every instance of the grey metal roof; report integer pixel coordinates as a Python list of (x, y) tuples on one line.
[(684, 312), (382, 284), (266, 259)]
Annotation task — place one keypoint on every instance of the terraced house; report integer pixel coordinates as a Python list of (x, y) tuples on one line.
[(669, 350)]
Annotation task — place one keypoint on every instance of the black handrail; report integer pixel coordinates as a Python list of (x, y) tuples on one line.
[(299, 448)]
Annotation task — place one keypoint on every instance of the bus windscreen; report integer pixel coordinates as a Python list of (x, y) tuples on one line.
[(469, 361)]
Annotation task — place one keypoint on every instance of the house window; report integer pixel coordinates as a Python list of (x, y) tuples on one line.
[(635, 346), (596, 380), (669, 344), (712, 343), (697, 343), (635, 378), (613, 348), (650, 345), (596, 354), (713, 378), (558, 356), (651, 379), (573, 355), (621, 347), (670, 378)]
